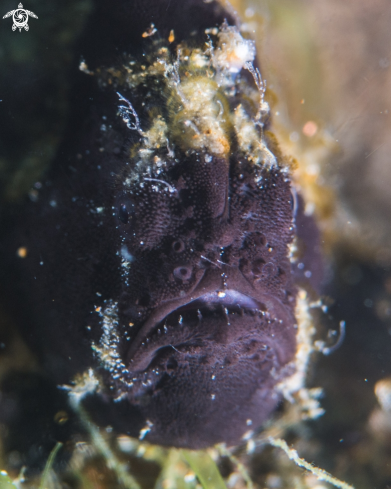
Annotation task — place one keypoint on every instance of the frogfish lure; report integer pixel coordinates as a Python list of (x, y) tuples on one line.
[(159, 251)]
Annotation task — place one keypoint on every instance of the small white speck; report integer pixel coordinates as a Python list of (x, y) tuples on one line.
[(250, 446), (307, 274), (249, 422), (145, 430), (128, 257), (247, 435), (213, 397)]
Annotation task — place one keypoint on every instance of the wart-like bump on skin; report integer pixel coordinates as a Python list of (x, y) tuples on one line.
[(194, 326)]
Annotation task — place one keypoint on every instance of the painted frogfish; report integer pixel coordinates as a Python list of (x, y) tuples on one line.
[(161, 252)]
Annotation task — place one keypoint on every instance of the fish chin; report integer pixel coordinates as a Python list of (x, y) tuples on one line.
[(209, 364)]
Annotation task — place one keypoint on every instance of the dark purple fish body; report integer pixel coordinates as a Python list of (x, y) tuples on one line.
[(159, 250)]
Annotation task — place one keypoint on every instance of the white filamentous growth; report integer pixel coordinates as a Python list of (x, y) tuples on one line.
[(293, 387), (125, 112), (319, 473), (108, 349), (261, 85)]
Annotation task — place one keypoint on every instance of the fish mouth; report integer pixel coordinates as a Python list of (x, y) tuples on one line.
[(226, 312), (210, 362), (227, 298)]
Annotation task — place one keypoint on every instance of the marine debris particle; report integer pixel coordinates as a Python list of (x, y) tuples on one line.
[(171, 37), (150, 31), (83, 385), (22, 252), (232, 51)]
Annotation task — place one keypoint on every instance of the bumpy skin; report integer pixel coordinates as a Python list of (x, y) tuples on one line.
[(172, 283)]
